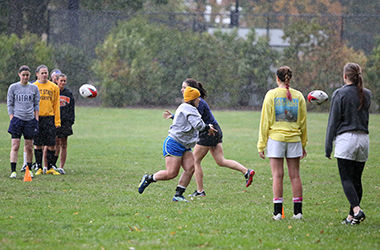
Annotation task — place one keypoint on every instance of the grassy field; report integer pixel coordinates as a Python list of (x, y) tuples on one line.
[(97, 206)]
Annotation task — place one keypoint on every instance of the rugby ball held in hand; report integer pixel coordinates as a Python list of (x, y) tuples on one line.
[(317, 97), (88, 91)]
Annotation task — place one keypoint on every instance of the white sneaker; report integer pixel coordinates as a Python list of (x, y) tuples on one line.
[(297, 217), (44, 170), (277, 216), (31, 173), (61, 171), (13, 175)]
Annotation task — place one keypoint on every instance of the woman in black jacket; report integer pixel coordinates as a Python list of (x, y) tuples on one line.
[(348, 126)]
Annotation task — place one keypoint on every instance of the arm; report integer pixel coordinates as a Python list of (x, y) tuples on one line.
[(72, 109), (303, 127), (266, 117), (57, 108), (37, 104), (10, 102), (332, 125)]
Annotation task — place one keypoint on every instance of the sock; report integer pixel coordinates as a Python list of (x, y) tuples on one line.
[(13, 166), (38, 156), (24, 158), (55, 159), (29, 164), (277, 205), (246, 174), (50, 158), (151, 178), (179, 190), (297, 201)]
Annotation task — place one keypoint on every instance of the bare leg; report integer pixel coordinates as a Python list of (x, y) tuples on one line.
[(188, 167), (28, 149), (217, 153), (63, 153), (44, 157), (172, 168), (277, 167), (294, 175), (14, 150), (199, 153)]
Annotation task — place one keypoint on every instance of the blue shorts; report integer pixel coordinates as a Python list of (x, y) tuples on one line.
[(18, 127), (173, 148)]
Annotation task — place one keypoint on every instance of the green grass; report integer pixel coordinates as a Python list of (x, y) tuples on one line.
[(96, 205)]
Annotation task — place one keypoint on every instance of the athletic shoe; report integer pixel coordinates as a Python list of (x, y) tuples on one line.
[(13, 175), (52, 171), (54, 167), (346, 221), (249, 177), (35, 166), (39, 171), (61, 171), (359, 217), (179, 198), (31, 173), (277, 216), (23, 168), (44, 169), (297, 217), (143, 183), (199, 194)]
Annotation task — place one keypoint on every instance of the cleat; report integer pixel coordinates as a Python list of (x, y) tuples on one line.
[(13, 175), (61, 171), (198, 194), (52, 171), (44, 170), (23, 168), (39, 171), (346, 221), (35, 166), (143, 183), (277, 216), (31, 173), (179, 198), (249, 177), (297, 217), (359, 217)]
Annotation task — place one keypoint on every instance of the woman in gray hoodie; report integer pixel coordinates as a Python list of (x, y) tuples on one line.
[(183, 135)]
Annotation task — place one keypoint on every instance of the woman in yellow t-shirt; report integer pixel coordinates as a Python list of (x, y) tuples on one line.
[(283, 133)]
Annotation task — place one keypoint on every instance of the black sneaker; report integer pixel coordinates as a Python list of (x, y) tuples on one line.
[(199, 194), (143, 183), (23, 168), (358, 218)]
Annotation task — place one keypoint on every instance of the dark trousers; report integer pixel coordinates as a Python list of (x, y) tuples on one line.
[(351, 176)]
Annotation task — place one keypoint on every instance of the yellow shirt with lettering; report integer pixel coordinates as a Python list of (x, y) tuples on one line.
[(282, 119), (49, 101)]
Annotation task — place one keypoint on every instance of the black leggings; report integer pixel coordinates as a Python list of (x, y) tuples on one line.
[(351, 177)]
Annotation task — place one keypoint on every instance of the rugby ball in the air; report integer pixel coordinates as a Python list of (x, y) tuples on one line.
[(88, 91), (317, 97)]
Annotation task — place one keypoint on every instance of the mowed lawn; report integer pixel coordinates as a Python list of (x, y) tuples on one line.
[(97, 206)]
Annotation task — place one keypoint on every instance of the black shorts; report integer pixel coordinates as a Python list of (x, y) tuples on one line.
[(18, 127), (64, 131), (210, 140), (47, 132)]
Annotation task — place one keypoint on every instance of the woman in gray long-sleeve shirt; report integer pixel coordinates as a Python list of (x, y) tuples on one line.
[(348, 126), (183, 135), (23, 108)]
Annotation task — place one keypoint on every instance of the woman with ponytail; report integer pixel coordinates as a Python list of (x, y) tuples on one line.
[(348, 126), (283, 132)]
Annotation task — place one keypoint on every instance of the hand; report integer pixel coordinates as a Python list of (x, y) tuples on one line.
[(262, 155), (167, 115), (212, 130), (304, 153)]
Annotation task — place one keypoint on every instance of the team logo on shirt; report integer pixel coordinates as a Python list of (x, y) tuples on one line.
[(64, 100), (285, 110)]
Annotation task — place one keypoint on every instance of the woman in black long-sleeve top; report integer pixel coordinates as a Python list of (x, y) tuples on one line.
[(348, 126)]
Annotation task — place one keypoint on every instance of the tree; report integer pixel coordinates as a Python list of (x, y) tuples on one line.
[(317, 57), (372, 75), (15, 51)]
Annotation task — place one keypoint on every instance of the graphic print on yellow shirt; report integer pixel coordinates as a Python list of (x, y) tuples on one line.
[(286, 110), (49, 101)]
